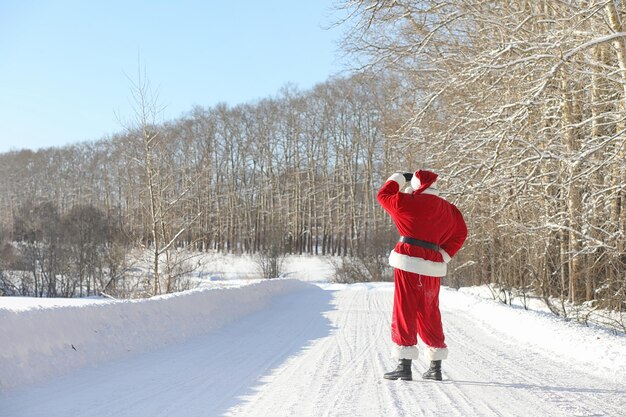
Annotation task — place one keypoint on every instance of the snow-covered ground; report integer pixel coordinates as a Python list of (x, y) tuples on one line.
[(242, 347)]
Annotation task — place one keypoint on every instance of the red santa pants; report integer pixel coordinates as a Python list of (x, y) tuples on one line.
[(416, 310)]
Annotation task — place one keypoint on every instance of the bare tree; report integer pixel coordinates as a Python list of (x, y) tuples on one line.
[(163, 191)]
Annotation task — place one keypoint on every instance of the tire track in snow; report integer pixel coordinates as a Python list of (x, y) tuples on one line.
[(338, 367), (533, 376), (485, 374), (354, 361)]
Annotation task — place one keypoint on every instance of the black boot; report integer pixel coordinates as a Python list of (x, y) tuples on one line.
[(434, 372), (403, 371)]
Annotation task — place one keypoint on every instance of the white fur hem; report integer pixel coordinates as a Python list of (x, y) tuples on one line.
[(435, 354), (399, 178), (417, 265), (405, 352), (444, 254)]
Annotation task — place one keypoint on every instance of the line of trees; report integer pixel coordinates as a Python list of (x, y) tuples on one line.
[(297, 173), (522, 103)]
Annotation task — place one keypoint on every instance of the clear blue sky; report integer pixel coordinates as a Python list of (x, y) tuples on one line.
[(63, 64)]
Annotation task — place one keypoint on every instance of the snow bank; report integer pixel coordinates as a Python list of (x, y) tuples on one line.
[(37, 343), (29, 303), (598, 350)]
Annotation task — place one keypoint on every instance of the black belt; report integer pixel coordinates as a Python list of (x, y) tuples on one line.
[(417, 242)]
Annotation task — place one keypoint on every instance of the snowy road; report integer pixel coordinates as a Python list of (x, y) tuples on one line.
[(322, 352)]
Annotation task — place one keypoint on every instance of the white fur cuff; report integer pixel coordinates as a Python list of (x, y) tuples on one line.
[(405, 352), (435, 354), (399, 178), (446, 257)]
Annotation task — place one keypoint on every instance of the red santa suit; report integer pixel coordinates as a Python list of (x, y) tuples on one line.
[(419, 213)]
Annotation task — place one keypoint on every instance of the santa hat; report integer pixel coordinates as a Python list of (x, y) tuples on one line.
[(422, 180)]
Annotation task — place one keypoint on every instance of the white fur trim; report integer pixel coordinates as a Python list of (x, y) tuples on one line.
[(417, 265), (399, 178), (408, 190), (431, 190), (405, 352), (435, 354), (415, 182), (446, 257)]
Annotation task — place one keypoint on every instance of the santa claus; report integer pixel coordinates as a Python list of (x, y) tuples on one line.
[(431, 230)]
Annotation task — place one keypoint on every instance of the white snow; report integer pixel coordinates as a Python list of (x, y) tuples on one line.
[(34, 303), (48, 341), (228, 267), (285, 347)]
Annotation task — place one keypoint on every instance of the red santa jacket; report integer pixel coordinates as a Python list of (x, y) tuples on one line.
[(422, 214)]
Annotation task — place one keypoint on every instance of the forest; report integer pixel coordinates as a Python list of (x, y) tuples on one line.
[(520, 106)]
